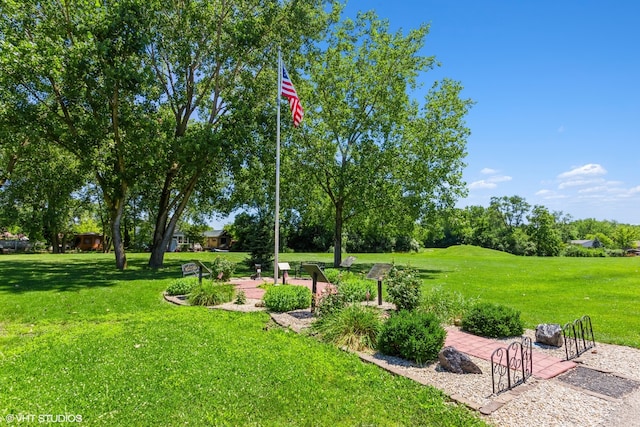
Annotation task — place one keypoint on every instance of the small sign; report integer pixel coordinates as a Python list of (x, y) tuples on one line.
[(348, 262), (190, 268), (283, 266), (378, 271), (313, 269)]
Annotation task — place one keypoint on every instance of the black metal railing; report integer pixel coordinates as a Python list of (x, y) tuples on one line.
[(578, 337), (511, 365)]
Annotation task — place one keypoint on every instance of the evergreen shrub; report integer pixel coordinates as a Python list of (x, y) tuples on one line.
[(412, 335), (493, 320)]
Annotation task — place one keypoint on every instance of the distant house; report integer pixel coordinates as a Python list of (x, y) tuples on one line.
[(88, 242), (593, 244), (217, 239)]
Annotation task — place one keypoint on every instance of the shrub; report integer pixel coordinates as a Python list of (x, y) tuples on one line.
[(222, 269), (492, 320), (182, 286), (403, 287), (412, 335), (356, 289), (211, 294), (287, 297), (355, 327), (329, 301), (333, 275), (447, 305), (241, 298)]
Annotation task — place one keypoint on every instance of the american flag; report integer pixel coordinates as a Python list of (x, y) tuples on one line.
[(289, 92)]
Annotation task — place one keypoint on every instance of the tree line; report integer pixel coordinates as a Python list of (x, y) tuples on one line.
[(138, 116)]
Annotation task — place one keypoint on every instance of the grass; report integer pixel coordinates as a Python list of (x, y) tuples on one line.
[(78, 337)]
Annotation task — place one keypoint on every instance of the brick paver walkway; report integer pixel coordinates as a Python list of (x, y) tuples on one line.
[(544, 366)]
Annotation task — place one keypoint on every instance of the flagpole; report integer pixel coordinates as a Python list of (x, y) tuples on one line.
[(277, 212)]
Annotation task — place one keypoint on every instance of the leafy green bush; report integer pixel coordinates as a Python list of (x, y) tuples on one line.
[(329, 301), (581, 251), (222, 269), (492, 320), (403, 287), (287, 297), (356, 289), (412, 335), (182, 286), (448, 306), (333, 275), (355, 327), (211, 294)]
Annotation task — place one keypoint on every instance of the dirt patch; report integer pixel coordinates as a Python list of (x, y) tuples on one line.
[(599, 382)]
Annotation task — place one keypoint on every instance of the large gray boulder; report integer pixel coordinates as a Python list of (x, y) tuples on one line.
[(549, 334), (454, 361)]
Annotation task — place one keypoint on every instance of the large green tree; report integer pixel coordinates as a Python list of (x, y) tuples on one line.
[(371, 150), (79, 63), (214, 63)]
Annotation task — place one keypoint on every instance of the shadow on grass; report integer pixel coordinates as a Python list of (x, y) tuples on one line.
[(31, 273)]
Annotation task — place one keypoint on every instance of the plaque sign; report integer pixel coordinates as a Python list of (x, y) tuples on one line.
[(314, 271), (284, 267), (316, 276), (347, 263), (378, 271)]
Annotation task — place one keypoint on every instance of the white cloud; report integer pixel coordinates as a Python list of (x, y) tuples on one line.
[(591, 169), (482, 184), (491, 181), (543, 192), (500, 178), (561, 129), (579, 183)]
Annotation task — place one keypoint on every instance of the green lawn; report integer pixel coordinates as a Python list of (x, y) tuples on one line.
[(79, 337)]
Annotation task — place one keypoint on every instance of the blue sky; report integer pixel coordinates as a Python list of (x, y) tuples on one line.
[(557, 92)]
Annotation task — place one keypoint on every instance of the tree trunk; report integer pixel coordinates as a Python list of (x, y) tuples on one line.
[(337, 237), (164, 226), (116, 235)]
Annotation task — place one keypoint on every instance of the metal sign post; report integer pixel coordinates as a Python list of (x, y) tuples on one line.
[(377, 272)]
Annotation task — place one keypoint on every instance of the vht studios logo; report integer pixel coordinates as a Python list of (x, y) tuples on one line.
[(42, 418)]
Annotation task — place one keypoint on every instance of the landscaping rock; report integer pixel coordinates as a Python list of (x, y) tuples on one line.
[(454, 361), (549, 334)]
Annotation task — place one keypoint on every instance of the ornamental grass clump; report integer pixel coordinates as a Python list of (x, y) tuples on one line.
[(412, 335), (493, 321), (211, 294), (287, 298), (354, 327)]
